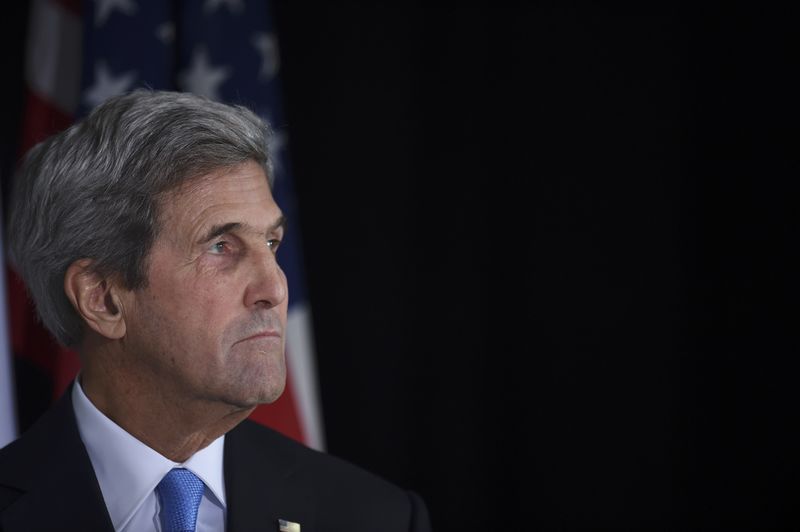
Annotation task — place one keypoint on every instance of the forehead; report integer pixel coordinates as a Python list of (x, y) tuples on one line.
[(234, 194)]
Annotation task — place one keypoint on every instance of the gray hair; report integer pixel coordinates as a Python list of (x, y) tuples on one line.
[(92, 191)]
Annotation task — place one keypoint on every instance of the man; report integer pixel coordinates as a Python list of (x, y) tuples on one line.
[(147, 235)]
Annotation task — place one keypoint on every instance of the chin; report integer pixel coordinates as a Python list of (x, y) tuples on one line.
[(258, 394), (270, 393), (259, 378), (272, 396)]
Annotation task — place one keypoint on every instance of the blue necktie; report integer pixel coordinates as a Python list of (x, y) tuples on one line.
[(180, 492)]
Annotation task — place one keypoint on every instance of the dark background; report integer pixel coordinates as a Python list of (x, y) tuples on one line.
[(551, 255)]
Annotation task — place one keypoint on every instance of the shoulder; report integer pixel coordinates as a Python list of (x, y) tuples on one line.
[(14, 458), (304, 460), (338, 488), (51, 439), (51, 442)]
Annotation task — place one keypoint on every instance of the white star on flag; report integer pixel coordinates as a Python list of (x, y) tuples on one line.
[(103, 9), (202, 78), (236, 6), (106, 85), (267, 46), (166, 33)]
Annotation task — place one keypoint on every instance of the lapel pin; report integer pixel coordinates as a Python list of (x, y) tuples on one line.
[(288, 526)]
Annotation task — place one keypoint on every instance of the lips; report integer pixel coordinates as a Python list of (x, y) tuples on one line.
[(264, 334)]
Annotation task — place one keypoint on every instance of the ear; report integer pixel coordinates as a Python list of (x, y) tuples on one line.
[(96, 299)]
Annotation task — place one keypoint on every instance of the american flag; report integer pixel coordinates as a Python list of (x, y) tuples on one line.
[(82, 52)]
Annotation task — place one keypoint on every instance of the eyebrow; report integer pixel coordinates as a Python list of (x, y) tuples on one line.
[(221, 229)]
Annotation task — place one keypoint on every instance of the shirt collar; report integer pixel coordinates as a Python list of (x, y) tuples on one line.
[(128, 470)]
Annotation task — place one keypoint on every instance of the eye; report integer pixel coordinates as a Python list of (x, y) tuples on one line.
[(274, 243), (219, 248)]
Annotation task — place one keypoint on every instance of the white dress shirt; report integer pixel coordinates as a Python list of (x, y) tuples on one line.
[(129, 471)]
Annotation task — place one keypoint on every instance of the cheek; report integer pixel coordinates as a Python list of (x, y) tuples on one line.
[(187, 312), (202, 307), (208, 311)]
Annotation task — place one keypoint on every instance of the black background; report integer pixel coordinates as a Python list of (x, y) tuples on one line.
[(551, 254)]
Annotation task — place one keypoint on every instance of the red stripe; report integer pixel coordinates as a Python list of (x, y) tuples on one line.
[(66, 368), (282, 415), (29, 338), (71, 5), (42, 119), (31, 341)]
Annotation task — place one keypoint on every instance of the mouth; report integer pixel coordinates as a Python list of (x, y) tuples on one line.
[(261, 336)]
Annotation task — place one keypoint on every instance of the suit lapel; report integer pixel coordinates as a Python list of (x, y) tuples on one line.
[(52, 469), (262, 485)]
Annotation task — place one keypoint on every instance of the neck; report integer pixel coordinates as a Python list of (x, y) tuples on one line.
[(156, 414)]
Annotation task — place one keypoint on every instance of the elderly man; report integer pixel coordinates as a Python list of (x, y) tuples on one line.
[(147, 237)]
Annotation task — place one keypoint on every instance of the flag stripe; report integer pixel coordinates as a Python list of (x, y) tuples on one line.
[(8, 418), (53, 60), (41, 120), (302, 374), (283, 413)]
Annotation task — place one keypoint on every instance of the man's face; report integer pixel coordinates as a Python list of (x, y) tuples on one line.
[(211, 322)]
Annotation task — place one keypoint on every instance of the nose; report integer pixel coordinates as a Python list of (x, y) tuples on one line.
[(267, 283)]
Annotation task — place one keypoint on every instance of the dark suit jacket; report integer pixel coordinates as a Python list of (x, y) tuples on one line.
[(47, 483)]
